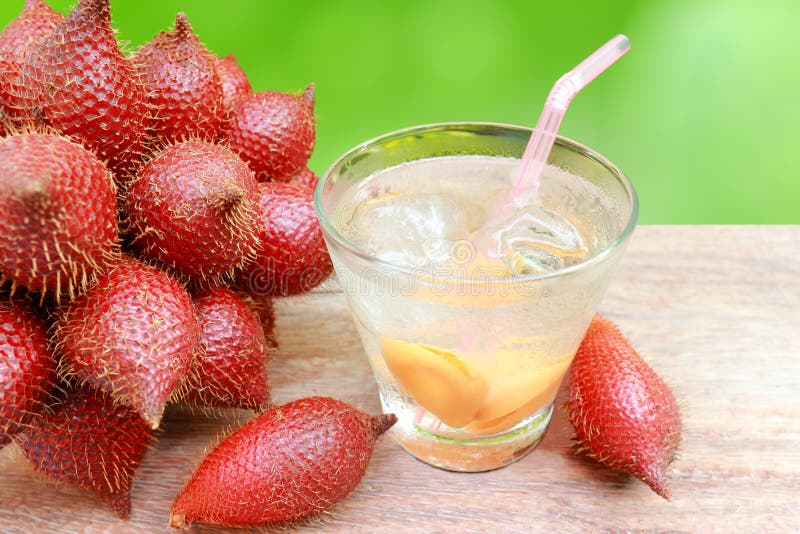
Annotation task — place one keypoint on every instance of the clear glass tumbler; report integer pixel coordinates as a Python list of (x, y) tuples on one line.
[(471, 364)]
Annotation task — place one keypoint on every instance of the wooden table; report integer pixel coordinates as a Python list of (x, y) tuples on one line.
[(716, 310)]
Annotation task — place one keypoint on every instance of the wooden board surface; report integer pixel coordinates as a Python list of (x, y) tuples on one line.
[(715, 310)]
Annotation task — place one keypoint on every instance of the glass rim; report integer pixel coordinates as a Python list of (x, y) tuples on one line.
[(565, 142)]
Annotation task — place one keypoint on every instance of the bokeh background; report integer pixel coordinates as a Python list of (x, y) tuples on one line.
[(703, 114)]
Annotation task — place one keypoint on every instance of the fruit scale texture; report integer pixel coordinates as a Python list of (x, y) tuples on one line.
[(132, 335), (624, 414), (78, 82), (292, 461)]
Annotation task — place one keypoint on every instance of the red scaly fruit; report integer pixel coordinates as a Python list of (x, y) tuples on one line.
[(624, 414), (132, 335), (194, 207), (274, 132), (293, 257), (78, 82), (184, 90), (231, 370), (235, 84), (58, 213), (36, 21), (290, 462), (264, 309), (5, 79), (27, 367), (305, 179), (89, 442)]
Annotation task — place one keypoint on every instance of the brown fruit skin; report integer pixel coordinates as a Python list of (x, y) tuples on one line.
[(27, 367), (274, 132), (78, 82), (288, 463), (624, 415), (235, 84), (89, 442), (184, 91), (58, 213), (293, 257), (194, 207), (36, 21), (133, 335), (231, 369)]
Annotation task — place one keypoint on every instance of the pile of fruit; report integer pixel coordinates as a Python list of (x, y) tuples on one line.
[(151, 205)]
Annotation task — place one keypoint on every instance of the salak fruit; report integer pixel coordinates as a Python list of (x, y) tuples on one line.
[(306, 179), (624, 415), (27, 368), (89, 442), (58, 213), (274, 132), (292, 256), (235, 84), (184, 90), (78, 82), (231, 369), (132, 335), (36, 21), (194, 207), (290, 462)]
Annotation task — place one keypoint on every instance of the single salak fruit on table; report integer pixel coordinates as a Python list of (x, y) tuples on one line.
[(624, 414), (290, 462)]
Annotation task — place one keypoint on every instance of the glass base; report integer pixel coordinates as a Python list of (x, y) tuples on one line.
[(473, 455)]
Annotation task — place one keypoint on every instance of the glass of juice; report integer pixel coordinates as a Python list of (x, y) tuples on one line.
[(470, 324)]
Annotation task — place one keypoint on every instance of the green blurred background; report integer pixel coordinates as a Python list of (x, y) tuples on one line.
[(703, 114)]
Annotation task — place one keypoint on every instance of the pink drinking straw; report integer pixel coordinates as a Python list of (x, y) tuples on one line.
[(544, 135)]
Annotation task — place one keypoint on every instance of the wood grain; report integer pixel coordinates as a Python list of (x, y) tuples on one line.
[(716, 310)]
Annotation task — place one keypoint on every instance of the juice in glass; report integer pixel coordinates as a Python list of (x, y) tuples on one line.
[(470, 326)]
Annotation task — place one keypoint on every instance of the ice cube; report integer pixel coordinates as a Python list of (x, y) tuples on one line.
[(537, 240), (413, 230)]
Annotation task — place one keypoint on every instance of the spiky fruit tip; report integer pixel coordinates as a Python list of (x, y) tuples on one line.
[(185, 93)]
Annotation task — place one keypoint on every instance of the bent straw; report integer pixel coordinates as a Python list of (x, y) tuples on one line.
[(544, 135)]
